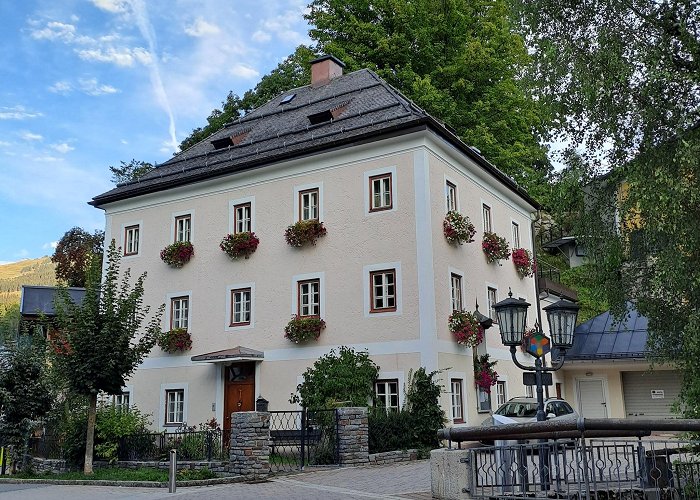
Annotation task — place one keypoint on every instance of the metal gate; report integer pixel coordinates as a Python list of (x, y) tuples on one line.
[(303, 438)]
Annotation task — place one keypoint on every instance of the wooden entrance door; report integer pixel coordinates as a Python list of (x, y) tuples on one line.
[(239, 390)]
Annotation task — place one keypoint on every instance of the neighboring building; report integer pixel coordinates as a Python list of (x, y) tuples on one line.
[(380, 173), (36, 304)]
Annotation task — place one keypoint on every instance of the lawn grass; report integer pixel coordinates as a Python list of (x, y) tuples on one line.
[(116, 474)]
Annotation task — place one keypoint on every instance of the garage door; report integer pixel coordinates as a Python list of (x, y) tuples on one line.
[(650, 394)]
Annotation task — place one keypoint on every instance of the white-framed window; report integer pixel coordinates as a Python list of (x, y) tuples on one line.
[(242, 218), (174, 407), (515, 231), (241, 306), (122, 401), (491, 300), (483, 400), (457, 401), (486, 217), (456, 291), (450, 196), (501, 394), (529, 391), (309, 200), (387, 392), (381, 194), (183, 227), (131, 240), (383, 290), (179, 312), (309, 296)]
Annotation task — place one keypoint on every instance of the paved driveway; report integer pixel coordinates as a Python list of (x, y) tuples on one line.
[(400, 481)]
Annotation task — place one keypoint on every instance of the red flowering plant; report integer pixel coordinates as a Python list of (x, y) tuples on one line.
[(240, 244), (466, 329), (303, 328), (485, 375), (524, 263), (495, 247), (457, 228), (175, 340), (303, 232), (177, 254)]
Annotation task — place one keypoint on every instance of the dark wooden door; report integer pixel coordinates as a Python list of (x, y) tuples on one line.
[(239, 394)]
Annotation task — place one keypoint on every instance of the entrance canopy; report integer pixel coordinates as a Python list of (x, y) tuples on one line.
[(227, 355)]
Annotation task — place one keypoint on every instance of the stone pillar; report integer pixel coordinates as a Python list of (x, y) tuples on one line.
[(448, 474), (250, 444), (353, 436)]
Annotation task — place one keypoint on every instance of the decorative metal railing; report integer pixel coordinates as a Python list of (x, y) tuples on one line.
[(302, 438)]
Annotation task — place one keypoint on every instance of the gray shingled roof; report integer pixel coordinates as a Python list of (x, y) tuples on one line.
[(39, 300), (275, 132)]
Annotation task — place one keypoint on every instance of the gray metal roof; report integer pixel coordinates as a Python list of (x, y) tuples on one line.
[(39, 300), (368, 109), (603, 337)]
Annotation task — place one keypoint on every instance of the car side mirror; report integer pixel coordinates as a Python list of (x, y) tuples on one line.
[(550, 415)]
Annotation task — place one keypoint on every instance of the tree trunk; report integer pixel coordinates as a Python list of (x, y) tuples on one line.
[(90, 439)]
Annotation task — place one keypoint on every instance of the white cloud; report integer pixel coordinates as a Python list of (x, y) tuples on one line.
[(17, 113), (5, 144), (61, 87), (47, 159), (29, 136), (92, 87), (283, 27), (49, 245), (243, 71), (200, 27), (113, 6), (62, 147), (123, 56), (55, 30), (261, 36)]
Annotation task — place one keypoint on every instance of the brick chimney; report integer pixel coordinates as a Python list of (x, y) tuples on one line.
[(324, 69)]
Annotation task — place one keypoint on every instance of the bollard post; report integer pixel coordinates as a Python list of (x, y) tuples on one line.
[(172, 474)]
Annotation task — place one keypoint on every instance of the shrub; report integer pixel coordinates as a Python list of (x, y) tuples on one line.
[(388, 431), (240, 244), (495, 247), (423, 404), (466, 329), (195, 474), (303, 232), (457, 228), (523, 261), (303, 328), (114, 423), (177, 254), (177, 340)]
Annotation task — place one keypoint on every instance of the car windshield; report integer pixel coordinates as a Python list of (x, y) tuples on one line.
[(516, 409)]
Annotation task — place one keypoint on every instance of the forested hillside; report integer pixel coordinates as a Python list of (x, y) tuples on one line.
[(26, 272)]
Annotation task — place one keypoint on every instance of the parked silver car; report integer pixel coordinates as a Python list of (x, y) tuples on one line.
[(522, 410)]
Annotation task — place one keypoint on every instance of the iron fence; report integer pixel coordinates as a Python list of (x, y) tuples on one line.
[(580, 468), (209, 445), (301, 438), (46, 446)]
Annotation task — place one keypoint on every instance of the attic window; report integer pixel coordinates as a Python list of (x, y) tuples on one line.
[(232, 140), (287, 99), (328, 115)]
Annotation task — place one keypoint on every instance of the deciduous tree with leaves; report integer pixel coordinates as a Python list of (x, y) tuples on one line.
[(73, 254), (131, 171), (101, 341)]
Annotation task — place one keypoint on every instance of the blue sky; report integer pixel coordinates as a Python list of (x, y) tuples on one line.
[(85, 84)]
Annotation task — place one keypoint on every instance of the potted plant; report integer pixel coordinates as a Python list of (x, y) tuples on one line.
[(495, 247), (240, 244), (177, 254), (485, 375), (457, 228), (303, 328), (523, 261), (466, 329), (175, 340), (303, 232)]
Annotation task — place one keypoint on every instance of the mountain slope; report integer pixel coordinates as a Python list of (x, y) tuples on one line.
[(25, 272)]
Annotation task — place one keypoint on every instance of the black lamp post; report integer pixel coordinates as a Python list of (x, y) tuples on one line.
[(512, 320)]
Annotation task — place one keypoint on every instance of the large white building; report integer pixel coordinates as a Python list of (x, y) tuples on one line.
[(380, 173)]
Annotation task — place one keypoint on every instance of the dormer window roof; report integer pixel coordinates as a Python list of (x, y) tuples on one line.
[(328, 114), (287, 99), (230, 140)]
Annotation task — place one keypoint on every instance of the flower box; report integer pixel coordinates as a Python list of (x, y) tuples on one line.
[(523, 261), (466, 329), (495, 247), (240, 244), (176, 340), (457, 228), (303, 232), (303, 328), (177, 254), (485, 375)]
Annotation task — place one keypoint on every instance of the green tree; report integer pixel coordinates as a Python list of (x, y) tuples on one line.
[(460, 60), (102, 340), (73, 254), (423, 404), (343, 376), (131, 171), (622, 80)]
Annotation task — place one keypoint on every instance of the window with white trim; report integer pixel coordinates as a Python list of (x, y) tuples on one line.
[(451, 196), (501, 393), (380, 189), (121, 401), (183, 227), (387, 392), (131, 240), (174, 406), (240, 306), (309, 298), (382, 290), (486, 217), (492, 299), (529, 391), (456, 400), (515, 230), (456, 291), (309, 204), (179, 313), (241, 218), (483, 400)]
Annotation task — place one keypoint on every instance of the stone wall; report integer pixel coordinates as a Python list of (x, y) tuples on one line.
[(250, 444), (54, 466), (392, 457), (353, 436), (214, 466)]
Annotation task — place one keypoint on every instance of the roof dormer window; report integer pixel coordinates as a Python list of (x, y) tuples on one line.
[(328, 114), (287, 99), (231, 140)]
